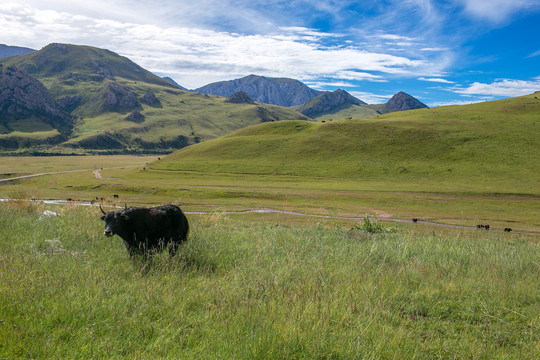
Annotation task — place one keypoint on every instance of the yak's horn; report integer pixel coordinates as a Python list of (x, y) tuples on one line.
[(100, 208)]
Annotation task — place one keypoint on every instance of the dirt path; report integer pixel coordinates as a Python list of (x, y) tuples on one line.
[(355, 218), (96, 173), (42, 174)]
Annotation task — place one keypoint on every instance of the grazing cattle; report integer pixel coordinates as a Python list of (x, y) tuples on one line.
[(507, 229), (482, 227), (115, 196), (415, 220), (147, 229)]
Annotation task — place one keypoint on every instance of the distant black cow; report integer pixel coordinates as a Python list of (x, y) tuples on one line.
[(115, 196), (415, 220), (147, 229), (507, 229)]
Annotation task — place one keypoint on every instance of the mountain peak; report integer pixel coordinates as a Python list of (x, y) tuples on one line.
[(403, 101), (80, 62), (277, 91), (329, 102)]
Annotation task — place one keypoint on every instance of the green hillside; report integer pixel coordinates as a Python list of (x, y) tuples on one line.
[(350, 111), (57, 63), (491, 146), (117, 106)]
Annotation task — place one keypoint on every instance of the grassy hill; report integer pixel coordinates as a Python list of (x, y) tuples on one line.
[(100, 89), (490, 147)]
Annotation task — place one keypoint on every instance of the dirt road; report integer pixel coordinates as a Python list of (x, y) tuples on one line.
[(96, 173)]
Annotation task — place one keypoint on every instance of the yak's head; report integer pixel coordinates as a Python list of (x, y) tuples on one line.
[(115, 221)]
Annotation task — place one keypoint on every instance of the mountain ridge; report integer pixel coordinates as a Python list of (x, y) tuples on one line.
[(264, 89)]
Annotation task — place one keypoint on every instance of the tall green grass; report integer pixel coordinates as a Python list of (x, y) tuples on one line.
[(263, 290)]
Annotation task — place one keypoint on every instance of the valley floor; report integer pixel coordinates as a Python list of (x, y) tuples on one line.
[(287, 197)]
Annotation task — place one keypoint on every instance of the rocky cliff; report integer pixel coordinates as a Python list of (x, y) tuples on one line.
[(22, 96)]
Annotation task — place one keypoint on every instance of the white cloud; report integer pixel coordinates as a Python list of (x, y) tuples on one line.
[(394, 37), (370, 98), (497, 10), (434, 49), (502, 87), (534, 54), (321, 85), (194, 57), (456, 102), (356, 75), (439, 80)]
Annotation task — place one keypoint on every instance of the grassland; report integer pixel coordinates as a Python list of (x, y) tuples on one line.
[(248, 290)]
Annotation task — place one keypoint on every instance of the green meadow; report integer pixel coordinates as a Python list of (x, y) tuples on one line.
[(253, 289)]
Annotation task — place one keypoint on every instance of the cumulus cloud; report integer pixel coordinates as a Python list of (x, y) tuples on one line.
[(195, 56), (502, 87), (370, 98)]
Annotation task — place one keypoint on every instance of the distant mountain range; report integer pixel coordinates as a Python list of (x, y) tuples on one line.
[(6, 50), (310, 102)]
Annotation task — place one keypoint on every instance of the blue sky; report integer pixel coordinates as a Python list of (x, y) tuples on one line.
[(441, 52)]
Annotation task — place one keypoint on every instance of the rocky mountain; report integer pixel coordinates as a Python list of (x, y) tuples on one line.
[(26, 104), (276, 91), (22, 97), (402, 101), (329, 102), (117, 105), (6, 50)]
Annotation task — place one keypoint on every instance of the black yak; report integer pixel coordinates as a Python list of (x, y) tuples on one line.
[(147, 229)]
